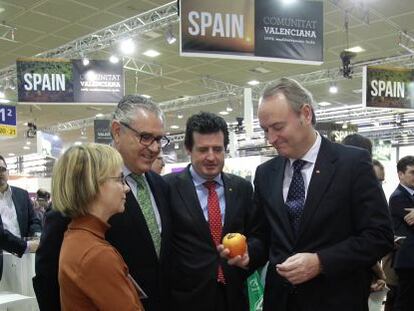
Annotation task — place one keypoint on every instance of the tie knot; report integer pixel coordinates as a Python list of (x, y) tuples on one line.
[(298, 165), (210, 185), (139, 179)]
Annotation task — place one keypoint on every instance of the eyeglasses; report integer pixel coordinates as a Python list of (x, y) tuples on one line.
[(119, 179), (3, 169), (147, 139)]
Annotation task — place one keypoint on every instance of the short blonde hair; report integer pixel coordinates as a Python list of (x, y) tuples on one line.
[(78, 174)]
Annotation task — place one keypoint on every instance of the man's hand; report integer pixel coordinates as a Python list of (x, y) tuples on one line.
[(377, 285), (300, 268), (238, 261), (33, 245), (409, 218)]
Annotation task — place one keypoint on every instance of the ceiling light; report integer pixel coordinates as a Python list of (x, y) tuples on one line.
[(333, 89), (224, 113), (253, 82), (356, 49), (28, 143), (2, 95), (56, 138), (229, 109), (99, 115), (324, 104), (180, 116), (77, 143), (146, 96), (287, 2), (151, 53), (174, 127), (4, 101), (85, 61), (127, 46), (114, 59), (345, 125), (26, 147), (11, 154), (169, 36)]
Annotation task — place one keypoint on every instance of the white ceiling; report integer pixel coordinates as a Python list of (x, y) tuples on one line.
[(46, 24)]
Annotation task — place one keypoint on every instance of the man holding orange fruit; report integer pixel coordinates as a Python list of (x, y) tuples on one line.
[(207, 205)]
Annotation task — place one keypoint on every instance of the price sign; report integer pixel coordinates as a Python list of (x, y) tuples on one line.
[(8, 121)]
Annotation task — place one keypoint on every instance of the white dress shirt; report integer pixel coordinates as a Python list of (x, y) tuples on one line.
[(310, 158), (8, 213)]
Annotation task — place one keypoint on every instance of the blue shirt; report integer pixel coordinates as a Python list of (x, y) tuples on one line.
[(202, 193)]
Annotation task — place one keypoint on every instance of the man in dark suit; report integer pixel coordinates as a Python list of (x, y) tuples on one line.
[(17, 218), (141, 233), (327, 217), (200, 279), (402, 211)]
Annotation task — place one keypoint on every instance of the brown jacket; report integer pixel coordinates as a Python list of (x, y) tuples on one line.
[(92, 274)]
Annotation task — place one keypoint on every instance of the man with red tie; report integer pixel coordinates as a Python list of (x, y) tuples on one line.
[(206, 204)]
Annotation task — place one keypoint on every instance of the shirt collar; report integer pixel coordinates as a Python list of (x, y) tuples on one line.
[(312, 154), (90, 223), (7, 193), (410, 191), (198, 180)]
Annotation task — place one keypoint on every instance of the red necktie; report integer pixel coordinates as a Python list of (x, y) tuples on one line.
[(214, 220)]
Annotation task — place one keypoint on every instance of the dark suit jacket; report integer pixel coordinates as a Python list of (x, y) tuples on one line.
[(194, 259), (130, 236), (29, 224), (345, 220), (399, 200)]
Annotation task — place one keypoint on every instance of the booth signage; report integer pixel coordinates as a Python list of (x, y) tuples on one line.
[(102, 131), (46, 81), (254, 30), (385, 87), (8, 121)]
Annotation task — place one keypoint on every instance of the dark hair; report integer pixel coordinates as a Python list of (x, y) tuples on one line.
[(377, 163), (404, 162), (2, 158), (360, 141), (296, 95), (205, 123), (43, 194)]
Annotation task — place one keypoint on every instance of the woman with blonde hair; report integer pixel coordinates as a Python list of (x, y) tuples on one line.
[(88, 186)]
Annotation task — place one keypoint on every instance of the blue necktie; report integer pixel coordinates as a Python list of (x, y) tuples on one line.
[(296, 196)]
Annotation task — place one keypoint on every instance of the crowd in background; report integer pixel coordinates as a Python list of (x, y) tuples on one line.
[(117, 235)]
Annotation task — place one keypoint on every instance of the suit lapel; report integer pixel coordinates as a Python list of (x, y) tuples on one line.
[(406, 193), (274, 186), (322, 174), (229, 196), (16, 201), (189, 197)]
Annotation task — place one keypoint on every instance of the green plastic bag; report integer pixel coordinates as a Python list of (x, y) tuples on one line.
[(255, 291)]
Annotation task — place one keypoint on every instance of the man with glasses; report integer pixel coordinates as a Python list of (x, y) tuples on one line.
[(17, 218), (141, 233)]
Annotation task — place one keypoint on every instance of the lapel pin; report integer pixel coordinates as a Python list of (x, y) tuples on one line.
[(318, 171), (230, 189)]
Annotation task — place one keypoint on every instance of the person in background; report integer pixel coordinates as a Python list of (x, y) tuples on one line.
[(141, 234), (379, 170), (328, 219), (206, 204), (41, 203), (88, 186), (17, 218), (357, 140), (158, 165), (402, 211)]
